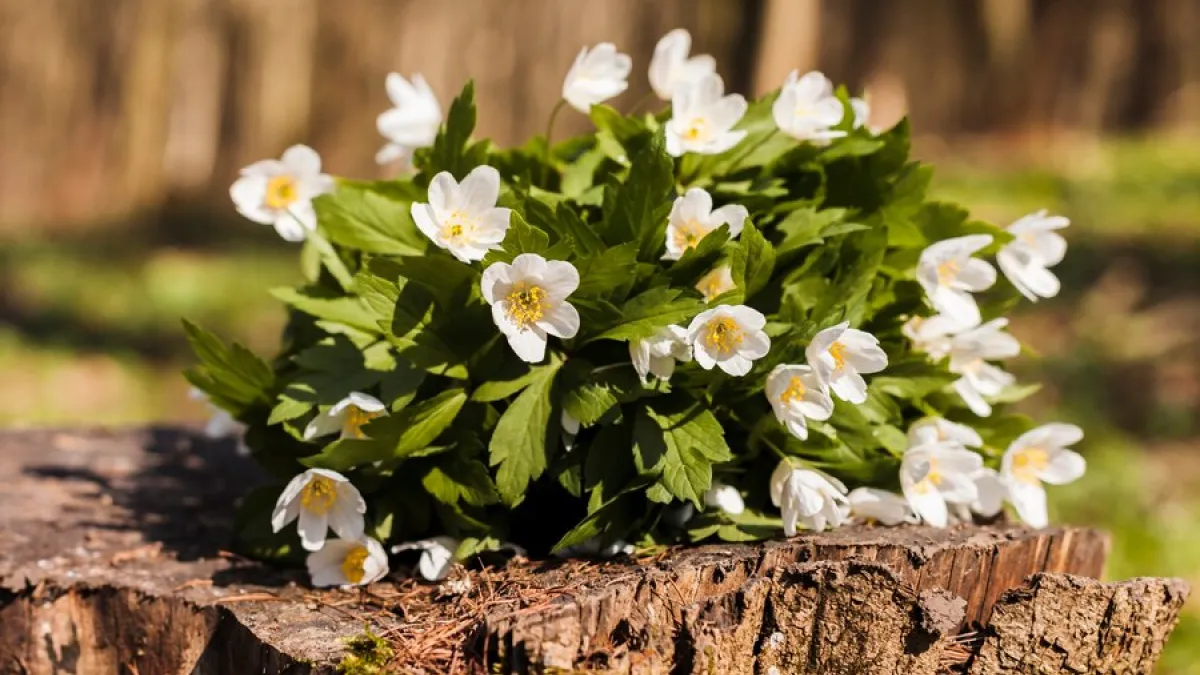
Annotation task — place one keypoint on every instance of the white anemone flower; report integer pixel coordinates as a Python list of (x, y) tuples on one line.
[(348, 562), (413, 120), (862, 112), (670, 66), (937, 429), (702, 118), (807, 108), (840, 354), (437, 556), (463, 218), (932, 474), (657, 354), (970, 351), (348, 416), (597, 75), (949, 275), (1039, 456), (989, 501), (724, 497), (797, 395), (716, 283), (693, 217), (730, 337), (807, 498), (931, 334), (279, 192), (872, 505), (528, 300), (1037, 247), (322, 500)]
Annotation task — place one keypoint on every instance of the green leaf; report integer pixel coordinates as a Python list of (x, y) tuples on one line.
[(637, 209), (755, 258), (806, 226), (520, 238), (525, 437), (365, 220), (444, 277), (233, 377), (495, 390), (606, 469), (458, 479), (694, 441), (697, 261), (329, 305), (612, 268), (397, 436), (647, 312), (449, 152)]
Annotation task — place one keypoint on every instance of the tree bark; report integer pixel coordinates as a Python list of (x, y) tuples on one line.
[(111, 562)]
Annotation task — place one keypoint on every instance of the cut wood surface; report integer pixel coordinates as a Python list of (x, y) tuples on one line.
[(112, 561)]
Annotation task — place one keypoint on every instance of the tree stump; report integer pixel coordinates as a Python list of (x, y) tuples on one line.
[(111, 562)]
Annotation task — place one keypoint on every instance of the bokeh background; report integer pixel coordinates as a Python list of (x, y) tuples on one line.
[(122, 123)]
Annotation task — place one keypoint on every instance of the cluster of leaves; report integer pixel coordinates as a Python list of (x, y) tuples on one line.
[(473, 445)]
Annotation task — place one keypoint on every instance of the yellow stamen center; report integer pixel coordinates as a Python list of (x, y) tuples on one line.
[(319, 495), (689, 234), (724, 334), (456, 228), (838, 351), (932, 479), (526, 304), (697, 130), (948, 271), (794, 392), (281, 192), (356, 419), (1028, 464), (353, 566)]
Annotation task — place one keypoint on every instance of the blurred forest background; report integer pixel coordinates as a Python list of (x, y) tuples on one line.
[(123, 122)]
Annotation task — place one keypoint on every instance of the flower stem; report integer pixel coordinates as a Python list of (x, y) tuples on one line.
[(648, 96), (550, 124)]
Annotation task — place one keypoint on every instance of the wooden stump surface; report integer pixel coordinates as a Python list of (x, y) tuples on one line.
[(112, 561)]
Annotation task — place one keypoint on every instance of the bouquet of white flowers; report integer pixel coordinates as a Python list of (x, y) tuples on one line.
[(702, 322)]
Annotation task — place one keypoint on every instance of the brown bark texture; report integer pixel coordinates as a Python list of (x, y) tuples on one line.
[(111, 562)]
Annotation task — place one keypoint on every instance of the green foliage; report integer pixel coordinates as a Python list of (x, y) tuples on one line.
[(474, 439)]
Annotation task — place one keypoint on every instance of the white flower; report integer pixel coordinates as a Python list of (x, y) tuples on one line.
[(279, 192), (1037, 247), (322, 500), (437, 556), (991, 493), (570, 429), (937, 429), (808, 498), (657, 354), (528, 300), (463, 217), (724, 497), (702, 118), (348, 416), (1037, 456), (730, 337), (931, 334), (716, 283), (693, 218), (970, 351), (797, 395), (949, 274), (354, 561), (413, 120), (807, 109), (839, 354), (862, 112), (879, 506), (671, 67), (932, 474), (597, 75)]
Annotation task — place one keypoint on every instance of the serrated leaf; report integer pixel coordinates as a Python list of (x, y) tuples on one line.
[(458, 479), (650, 311), (607, 270), (524, 439), (232, 376), (638, 208), (521, 237), (365, 220), (449, 152), (495, 390), (755, 260), (694, 441)]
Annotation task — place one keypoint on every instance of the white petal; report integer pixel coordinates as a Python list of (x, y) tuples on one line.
[(437, 559), (495, 273), (850, 387), (247, 194), (959, 306), (704, 357), (529, 344), (375, 567), (480, 189), (312, 528), (302, 160), (755, 345), (561, 278), (992, 492), (748, 318), (529, 265), (366, 402), (345, 519), (1053, 435), (736, 365), (425, 219), (1065, 466), (1030, 502), (444, 193), (324, 424), (562, 320), (976, 275), (732, 214), (929, 505)]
